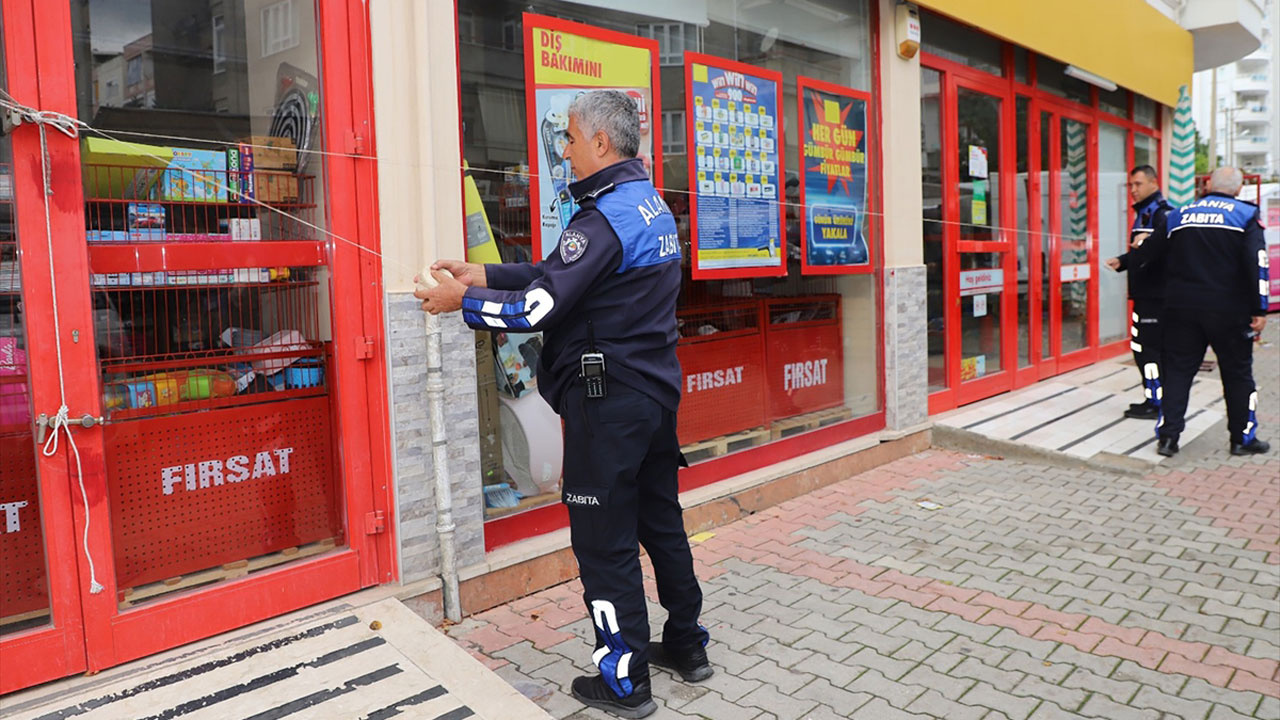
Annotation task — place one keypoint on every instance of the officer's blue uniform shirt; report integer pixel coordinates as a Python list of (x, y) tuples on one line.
[(618, 265), (1146, 283), (1214, 254)]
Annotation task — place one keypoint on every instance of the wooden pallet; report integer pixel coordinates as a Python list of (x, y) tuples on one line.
[(24, 617), (718, 446), (809, 421), (229, 571)]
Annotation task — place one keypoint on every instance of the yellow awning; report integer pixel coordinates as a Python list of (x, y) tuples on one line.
[(1125, 41)]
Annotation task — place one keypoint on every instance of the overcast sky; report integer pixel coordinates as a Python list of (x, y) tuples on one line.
[(116, 23)]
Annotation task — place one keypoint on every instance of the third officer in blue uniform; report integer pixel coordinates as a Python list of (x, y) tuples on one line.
[(1216, 275), (606, 302), (1146, 289)]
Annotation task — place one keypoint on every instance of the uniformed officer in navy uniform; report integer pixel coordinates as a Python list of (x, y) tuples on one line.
[(607, 297), (1146, 289), (1215, 295)]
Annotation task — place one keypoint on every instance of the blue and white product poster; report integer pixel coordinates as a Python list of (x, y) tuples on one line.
[(735, 169), (833, 183)]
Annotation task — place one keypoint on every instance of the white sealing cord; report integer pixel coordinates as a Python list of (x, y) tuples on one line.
[(67, 126)]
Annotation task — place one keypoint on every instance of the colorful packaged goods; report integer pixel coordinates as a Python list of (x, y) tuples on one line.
[(195, 175)]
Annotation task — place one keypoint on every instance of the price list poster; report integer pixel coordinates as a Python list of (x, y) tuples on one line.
[(834, 182), (564, 59), (736, 170)]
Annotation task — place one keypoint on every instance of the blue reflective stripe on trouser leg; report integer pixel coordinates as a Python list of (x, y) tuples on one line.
[(1251, 427), (614, 659), (1151, 382)]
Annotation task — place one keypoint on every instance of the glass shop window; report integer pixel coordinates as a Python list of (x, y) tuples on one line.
[(204, 215), (949, 39), (1051, 76), (764, 358)]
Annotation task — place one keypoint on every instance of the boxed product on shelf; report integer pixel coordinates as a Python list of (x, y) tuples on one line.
[(106, 236), (119, 170), (195, 175), (269, 152), (276, 187), (146, 235), (242, 229), (145, 216)]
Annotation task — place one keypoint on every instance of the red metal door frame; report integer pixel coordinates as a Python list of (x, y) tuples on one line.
[(1024, 376), (109, 636), (58, 649), (956, 76), (1055, 362)]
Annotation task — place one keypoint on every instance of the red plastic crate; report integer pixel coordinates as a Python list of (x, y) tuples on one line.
[(804, 355), (723, 383)]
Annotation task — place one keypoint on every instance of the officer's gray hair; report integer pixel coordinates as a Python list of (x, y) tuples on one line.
[(612, 112), (1226, 180)]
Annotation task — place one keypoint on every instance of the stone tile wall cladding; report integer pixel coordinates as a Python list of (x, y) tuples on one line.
[(410, 424), (906, 360)]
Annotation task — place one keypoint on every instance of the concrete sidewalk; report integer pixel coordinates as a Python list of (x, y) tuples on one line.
[(1037, 590)]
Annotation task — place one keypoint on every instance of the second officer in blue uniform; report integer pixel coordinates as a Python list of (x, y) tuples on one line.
[(1216, 279), (1146, 289), (606, 302)]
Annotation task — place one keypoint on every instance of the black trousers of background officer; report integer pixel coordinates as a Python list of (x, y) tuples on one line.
[(1146, 341), (1186, 335), (622, 451)]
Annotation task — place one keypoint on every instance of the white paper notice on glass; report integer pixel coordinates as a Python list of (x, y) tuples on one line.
[(979, 305), (977, 161)]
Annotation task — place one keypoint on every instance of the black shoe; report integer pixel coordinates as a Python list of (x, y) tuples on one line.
[(1138, 406), (1142, 412), (691, 664), (1256, 447), (1168, 446), (592, 691)]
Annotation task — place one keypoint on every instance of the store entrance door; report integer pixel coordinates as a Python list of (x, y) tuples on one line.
[(226, 468), (1068, 258)]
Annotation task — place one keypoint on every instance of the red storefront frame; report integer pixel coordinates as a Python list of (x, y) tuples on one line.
[(1043, 364), (87, 630), (549, 518)]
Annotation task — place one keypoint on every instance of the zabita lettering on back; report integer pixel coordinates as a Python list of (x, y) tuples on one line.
[(237, 468)]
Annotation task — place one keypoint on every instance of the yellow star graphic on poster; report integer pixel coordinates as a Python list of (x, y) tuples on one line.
[(831, 111)]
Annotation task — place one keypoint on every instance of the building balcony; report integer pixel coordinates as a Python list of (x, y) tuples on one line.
[(1255, 83), (1253, 116), (1224, 30)]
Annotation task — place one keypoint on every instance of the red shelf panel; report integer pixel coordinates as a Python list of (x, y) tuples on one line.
[(205, 256)]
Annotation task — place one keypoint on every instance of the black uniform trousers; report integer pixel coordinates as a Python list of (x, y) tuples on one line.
[(621, 457), (1186, 335), (1146, 340)]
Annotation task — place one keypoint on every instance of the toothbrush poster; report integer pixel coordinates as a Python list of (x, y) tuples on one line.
[(834, 183), (736, 169), (562, 60)]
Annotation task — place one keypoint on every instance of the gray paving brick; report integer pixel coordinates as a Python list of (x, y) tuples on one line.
[(924, 676), (884, 644), (733, 637), (960, 626), (1235, 627), (1246, 703), (823, 692), (923, 618), (1164, 682), (1251, 616), (769, 672), (1234, 643), (1137, 619), (1036, 648), (1051, 672), (785, 656), (935, 705), (1099, 706), (833, 649), (1057, 602), (729, 687), (878, 709), (987, 696), (712, 705), (1097, 664), (874, 683), (863, 618), (1067, 698), (676, 693), (1220, 712), (782, 706), (1003, 680), (1269, 708), (1152, 698), (1118, 690), (1113, 615)]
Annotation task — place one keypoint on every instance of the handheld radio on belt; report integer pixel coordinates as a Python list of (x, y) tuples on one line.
[(592, 367)]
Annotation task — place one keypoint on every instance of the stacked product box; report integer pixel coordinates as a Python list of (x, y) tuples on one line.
[(195, 176)]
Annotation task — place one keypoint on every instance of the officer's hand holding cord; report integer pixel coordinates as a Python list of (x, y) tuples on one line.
[(447, 294)]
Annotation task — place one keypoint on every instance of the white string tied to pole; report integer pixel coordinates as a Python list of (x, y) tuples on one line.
[(60, 422)]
